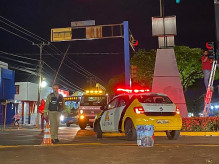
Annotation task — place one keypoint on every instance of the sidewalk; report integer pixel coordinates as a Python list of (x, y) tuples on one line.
[(22, 127)]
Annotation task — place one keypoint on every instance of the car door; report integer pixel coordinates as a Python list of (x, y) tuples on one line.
[(123, 101), (107, 119)]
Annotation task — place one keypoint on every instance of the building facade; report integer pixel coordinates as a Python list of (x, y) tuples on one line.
[(26, 99), (7, 92)]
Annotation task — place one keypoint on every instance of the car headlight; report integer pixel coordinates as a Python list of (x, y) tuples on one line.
[(81, 117), (62, 118)]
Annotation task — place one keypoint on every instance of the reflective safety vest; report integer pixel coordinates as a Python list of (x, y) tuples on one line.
[(55, 103)]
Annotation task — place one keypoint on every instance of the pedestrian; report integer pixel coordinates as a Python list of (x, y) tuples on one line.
[(53, 107), (206, 67), (16, 119), (41, 110)]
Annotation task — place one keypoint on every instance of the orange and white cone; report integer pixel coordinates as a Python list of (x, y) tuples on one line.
[(47, 136)]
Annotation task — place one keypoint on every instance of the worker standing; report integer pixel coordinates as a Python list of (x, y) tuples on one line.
[(53, 107), (206, 67), (41, 110)]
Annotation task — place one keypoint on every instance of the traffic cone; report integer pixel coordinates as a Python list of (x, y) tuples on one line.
[(47, 136)]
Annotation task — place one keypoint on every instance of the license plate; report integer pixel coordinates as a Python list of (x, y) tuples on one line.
[(162, 121), (91, 120)]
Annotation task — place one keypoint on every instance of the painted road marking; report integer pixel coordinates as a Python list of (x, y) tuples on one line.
[(108, 144)]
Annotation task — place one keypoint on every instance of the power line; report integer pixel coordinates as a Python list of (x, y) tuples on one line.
[(63, 77), (66, 83), (82, 69), (23, 67), (22, 28), (17, 35), (18, 56), (74, 53), (24, 70), (60, 65), (44, 39), (16, 60), (86, 73), (69, 66)]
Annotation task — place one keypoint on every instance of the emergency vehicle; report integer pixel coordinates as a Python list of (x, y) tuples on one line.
[(89, 107), (139, 107)]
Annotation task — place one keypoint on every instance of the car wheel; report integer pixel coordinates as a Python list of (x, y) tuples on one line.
[(98, 130), (130, 131), (82, 125), (68, 125), (173, 134)]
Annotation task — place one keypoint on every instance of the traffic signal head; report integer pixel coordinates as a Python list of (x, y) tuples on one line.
[(177, 1), (135, 43), (210, 49)]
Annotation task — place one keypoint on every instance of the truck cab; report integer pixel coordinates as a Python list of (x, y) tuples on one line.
[(89, 107)]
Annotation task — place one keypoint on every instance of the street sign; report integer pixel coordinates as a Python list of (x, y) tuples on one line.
[(61, 34), (94, 32), (83, 23)]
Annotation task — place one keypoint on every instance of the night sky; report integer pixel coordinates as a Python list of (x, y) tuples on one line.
[(103, 58)]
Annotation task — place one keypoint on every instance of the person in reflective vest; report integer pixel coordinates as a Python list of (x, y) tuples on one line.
[(54, 105)]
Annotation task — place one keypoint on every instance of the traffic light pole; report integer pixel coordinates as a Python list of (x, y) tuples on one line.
[(127, 54)]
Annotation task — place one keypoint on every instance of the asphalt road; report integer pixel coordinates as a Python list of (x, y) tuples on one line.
[(82, 146)]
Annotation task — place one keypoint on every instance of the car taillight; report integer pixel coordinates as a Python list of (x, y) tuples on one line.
[(177, 110), (139, 110)]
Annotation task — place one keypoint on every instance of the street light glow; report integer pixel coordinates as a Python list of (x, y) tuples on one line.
[(43, 84)]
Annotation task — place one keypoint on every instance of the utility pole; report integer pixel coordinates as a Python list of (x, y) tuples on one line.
[(41, 45)]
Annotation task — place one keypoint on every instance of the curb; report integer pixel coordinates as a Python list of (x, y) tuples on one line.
[(199, 133), (164, 134)]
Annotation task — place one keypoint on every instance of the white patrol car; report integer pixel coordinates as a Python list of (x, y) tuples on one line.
[(126, 111)]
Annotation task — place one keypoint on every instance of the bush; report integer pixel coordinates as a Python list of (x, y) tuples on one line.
[(200, 124)]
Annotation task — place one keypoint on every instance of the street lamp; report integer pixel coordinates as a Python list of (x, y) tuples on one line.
[(43, 84)]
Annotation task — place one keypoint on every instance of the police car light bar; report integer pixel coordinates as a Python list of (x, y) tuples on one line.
[(133, 90)]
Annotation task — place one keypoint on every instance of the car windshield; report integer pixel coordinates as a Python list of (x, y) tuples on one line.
[(154, 99), (90, 100)]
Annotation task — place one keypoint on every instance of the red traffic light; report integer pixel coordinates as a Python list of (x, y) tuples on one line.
[(135, 43)]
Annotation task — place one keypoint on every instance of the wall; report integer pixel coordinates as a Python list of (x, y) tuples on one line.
[(29, 92), (7, 91)]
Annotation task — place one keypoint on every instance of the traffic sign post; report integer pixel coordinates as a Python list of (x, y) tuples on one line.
[(93, 31), (127, 54)]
